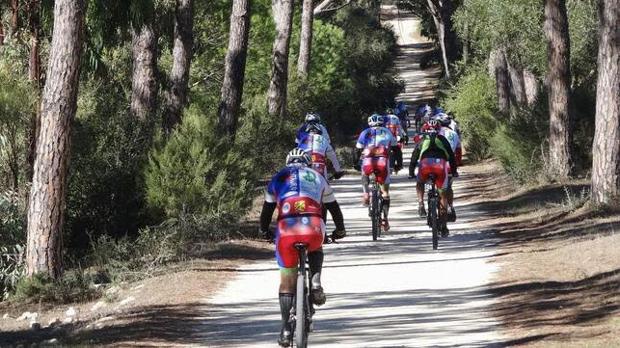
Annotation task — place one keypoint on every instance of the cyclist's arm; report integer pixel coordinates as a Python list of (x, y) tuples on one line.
[(266, 214), (329, 200), (414, 161), (331, 155)]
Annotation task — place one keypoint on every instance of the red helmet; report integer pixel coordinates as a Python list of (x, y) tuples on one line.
[(431, 126)]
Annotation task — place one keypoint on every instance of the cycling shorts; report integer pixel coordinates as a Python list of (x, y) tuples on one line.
[(309, 230), (379, 166), (437, 166)]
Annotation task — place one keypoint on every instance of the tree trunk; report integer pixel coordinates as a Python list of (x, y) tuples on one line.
[(276, 95), (606, 147), (144, 73), (440, 25), (34, 75), (49, 185), (558, 53), (498, 68), (34, 27), (1, 34), (305, 45), (234, 72), (14, 17), (181, 60), (517, 84)]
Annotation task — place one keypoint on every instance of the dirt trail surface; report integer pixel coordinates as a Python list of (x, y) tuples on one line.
[(396, 292)]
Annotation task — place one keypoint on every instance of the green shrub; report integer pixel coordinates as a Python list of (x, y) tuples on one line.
[(74, 286), (473, 103), (197, 172), (520, 142)]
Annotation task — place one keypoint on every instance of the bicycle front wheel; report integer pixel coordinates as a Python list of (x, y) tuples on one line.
[(301, 330)]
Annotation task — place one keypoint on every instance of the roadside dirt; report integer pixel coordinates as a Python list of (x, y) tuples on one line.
[(157, 311), (559, 278)]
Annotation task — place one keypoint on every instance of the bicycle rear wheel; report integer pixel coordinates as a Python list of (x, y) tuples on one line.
[(432, 210), (375, 214), (301, 329)]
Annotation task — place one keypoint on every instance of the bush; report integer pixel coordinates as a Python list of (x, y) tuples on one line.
[(473, 103), (106, 190), (130, 259), (74, 286), (199, 173)]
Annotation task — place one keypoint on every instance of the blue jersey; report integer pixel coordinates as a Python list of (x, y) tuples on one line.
[(298, 191), (376, 142)]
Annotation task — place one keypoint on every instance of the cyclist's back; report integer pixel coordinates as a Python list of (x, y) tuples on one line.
[(318, 147)]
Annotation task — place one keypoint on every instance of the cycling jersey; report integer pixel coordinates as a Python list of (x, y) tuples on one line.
[(433, 146), (317, 146), (376, 142), (452, 137), (298, 191), (301, 132), (392, 122)]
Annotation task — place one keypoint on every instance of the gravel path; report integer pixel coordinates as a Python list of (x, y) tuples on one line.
[(396, 292)]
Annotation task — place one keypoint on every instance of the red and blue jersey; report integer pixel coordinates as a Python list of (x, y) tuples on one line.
[(376, 142), (298, 191)]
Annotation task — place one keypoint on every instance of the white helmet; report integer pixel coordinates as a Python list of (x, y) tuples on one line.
[(298, 155), (312, 117)]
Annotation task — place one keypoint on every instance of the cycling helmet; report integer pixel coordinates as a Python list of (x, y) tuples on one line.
[(299, 156), (314, 128), (431, 126), (375, 120), (312, 117)]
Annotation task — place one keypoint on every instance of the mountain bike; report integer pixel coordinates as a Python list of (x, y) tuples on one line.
[(301, 313), (433, 210), (374, 208)]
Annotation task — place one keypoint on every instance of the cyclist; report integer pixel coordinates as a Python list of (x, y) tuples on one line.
[(455, 144), (298, 192), (434, 156), (319, 149), (374, 146), (392, 122), (403, 114), (311, 118), (421, 112)]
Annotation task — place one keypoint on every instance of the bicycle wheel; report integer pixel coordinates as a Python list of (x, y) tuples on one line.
[(432, 210), (376, 214), (301, 329)]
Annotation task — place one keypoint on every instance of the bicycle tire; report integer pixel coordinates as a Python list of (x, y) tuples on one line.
[(301, 330), (375, 211), (432, 206)]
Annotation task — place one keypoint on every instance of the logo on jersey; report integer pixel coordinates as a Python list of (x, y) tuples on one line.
[(305, 220), (286, 208), (300, 206), (309, 176)]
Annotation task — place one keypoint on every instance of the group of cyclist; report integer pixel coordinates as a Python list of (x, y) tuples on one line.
[(302, 194)]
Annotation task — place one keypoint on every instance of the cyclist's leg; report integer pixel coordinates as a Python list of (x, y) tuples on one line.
[(315, 259), (383, 179), (441, 181), (367, 169), (421, 180), (287, 261)]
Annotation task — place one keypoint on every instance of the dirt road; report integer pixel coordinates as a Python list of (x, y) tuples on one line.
[(396, 292)]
